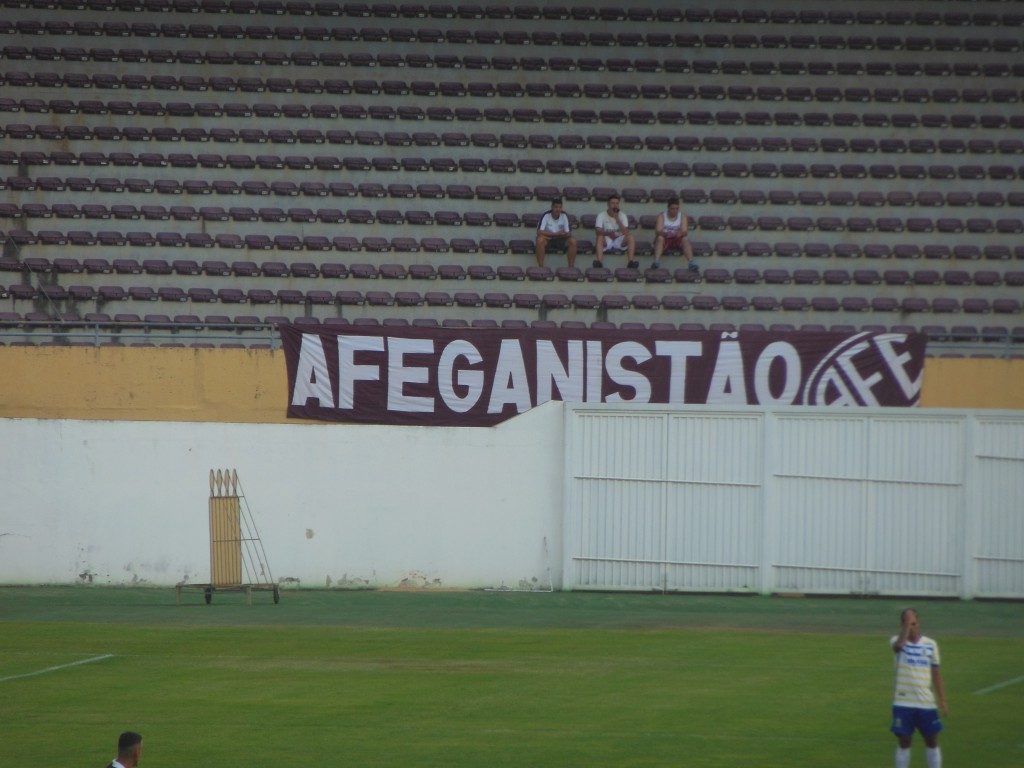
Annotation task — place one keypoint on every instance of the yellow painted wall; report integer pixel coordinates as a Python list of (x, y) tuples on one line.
[(233, 385), (973, 383), (240, 385)]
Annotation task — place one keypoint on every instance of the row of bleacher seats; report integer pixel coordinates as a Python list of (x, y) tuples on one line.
[(188, 56), (335, 270), (722, 15), (500, 165), (702, 302), (571, 141), (117, 333), (292, 242), (413, 113), (489, 192), (858, 224), (960, 121), (213, 213), (490, 36), (695, 196), (486, 89), (721, 249)]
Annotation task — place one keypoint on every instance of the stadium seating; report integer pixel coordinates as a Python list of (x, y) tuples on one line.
[(857, 168)]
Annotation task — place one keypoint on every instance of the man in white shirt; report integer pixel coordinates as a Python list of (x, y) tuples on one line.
[(918, 682), (129, 751), (613, 235), (553, 235), (670, 230)]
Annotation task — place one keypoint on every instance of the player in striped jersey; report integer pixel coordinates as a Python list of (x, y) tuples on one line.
[(918, 682)]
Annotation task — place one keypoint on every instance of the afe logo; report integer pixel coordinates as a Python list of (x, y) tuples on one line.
[(861, 364)]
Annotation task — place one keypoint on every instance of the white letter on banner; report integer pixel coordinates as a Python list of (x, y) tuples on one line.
[(633, 379), (510, 382), (791, 370), (549, 369), (727, 384), (473, 381), (844, 395), (897, 362), (348, 372), (860, 384), (677, 352), (595, 371), (311, 379), (399, 375)]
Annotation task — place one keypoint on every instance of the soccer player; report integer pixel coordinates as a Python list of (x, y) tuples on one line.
[(613, 235), (670, 230), (918, 682), (129, 751), (553, 234)]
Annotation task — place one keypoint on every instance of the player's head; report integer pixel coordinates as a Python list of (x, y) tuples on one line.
[(909, 617), (556, 207), (673, 206), (613, 204), (129, 748)]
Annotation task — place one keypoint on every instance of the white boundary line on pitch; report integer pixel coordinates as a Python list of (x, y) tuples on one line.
[(59, 666), (997, 686)]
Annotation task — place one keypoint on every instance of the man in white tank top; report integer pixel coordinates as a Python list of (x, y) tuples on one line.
[(671, 231), (613, 235)]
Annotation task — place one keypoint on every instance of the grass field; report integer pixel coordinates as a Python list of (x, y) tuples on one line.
[(489, 679)]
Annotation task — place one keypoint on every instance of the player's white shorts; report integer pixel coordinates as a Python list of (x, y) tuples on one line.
[(614, 243)]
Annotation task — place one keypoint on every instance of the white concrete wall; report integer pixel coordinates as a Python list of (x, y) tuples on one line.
[(126, 502)]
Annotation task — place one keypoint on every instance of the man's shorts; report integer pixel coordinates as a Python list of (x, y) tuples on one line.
[(905, 720), (615, 243), (673, 243), (557, 245)]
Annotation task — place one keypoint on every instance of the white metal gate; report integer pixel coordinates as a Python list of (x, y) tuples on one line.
[(804, 500)]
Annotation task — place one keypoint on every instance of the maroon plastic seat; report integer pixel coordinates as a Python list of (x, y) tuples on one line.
[(914, 304), (974, 306)]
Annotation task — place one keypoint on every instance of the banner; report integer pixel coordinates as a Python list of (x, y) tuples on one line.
[(480, 377)]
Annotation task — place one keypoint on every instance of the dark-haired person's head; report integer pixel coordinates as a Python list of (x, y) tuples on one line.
[(556, 206), (673, 206), (129, 749), (613, 203)]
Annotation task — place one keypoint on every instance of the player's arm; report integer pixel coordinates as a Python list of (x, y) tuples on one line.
[(901, 639), (623, 222), (659, 225), (940, 689)]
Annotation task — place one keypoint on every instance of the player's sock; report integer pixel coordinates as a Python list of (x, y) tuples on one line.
[(902, 758), (934, 757)]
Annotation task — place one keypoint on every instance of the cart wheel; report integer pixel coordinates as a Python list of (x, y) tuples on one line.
[(208, 595), (277, 595)]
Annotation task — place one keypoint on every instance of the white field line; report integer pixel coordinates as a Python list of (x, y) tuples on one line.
[(997, 686), (59, 666)]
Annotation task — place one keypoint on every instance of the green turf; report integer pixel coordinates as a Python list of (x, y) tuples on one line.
[(489, 679)]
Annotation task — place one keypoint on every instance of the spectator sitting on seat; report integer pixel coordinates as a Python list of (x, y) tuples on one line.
[(553, 234), (613, 235), (671, 229)]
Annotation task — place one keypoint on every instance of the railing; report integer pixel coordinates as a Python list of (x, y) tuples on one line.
[(57, 332)]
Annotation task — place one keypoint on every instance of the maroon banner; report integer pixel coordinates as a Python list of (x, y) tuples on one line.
[(480, 377)]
